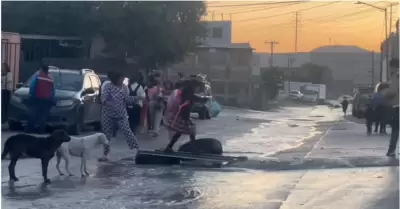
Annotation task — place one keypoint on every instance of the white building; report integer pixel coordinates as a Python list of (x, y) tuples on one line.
[(219, 32)]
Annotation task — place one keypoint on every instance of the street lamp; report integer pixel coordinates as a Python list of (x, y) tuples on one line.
[(386, 33)]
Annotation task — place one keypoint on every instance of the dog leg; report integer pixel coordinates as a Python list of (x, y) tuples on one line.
[(45, 164), (82, 161), (58, 155), (67, 165), (86, 172), (11, 167)]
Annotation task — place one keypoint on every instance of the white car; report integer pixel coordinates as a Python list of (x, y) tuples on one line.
[(295, 94)]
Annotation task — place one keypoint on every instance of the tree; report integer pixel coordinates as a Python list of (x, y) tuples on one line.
[(273, 81), (155, 33)]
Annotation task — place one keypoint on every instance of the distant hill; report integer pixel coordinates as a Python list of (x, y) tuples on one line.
[(339, 49)]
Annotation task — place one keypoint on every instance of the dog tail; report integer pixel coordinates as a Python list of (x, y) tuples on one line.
[(6, 150)]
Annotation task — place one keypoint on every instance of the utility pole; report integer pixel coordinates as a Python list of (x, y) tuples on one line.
[(372, 70), (296, 31), (272, 43)]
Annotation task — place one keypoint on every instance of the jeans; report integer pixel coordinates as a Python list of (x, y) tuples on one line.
[(394, 136), (155, 118), (39, 110)]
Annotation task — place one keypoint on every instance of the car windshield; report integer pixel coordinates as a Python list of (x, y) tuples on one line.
[(71, 81)]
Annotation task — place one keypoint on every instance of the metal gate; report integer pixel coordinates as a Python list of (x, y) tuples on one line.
[(10, 54)]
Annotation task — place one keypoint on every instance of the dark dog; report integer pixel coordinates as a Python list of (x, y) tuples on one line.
[(198, 146), (37, 147)]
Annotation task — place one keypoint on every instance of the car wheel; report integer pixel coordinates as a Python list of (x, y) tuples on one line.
[(77, 128), (14, 126)]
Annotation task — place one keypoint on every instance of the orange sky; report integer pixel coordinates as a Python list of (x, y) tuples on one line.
[(340, 23)]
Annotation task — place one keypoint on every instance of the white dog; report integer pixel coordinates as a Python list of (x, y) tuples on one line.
[(79, 147)]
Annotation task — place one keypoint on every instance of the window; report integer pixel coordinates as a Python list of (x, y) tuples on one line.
[(217, 33), (87, 83)]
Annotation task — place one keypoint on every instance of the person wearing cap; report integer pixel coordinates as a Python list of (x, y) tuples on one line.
[(391, 96)]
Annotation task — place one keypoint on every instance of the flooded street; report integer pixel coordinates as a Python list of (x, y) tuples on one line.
[(122, 184)]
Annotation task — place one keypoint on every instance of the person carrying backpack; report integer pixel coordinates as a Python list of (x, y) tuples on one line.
[(134, 110)]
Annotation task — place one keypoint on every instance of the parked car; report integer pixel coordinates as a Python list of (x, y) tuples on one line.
[(203, 108), (77, 101), (296, 95), (381, 86), (360, 103)]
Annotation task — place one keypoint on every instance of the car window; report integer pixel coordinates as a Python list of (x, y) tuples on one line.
[(95, 82), (70, 81), (87, 83)]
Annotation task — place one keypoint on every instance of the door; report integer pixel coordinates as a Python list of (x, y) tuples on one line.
[(88, 98), (96, 106)]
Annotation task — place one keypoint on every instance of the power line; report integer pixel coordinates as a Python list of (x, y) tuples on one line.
[(254, 4), (268, 8), (259, 18)]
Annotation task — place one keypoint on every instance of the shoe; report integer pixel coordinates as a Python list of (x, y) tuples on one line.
[(103, 159), (391, 154)]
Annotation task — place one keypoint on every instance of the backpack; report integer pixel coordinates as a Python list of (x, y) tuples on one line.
[(133, 93)]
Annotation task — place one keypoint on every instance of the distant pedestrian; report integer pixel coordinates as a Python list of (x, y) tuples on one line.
[(369, 116), (115, 99), (156, 106), (345, 104), (42, 98), (378, 107), (6, 88), (391, 95), (134, 110)]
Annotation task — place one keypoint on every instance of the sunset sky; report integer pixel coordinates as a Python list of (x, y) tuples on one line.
[(320, 23)]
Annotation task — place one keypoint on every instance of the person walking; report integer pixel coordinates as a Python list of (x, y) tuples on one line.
[(369, 116), (378, 111), (6, 88), (391, 95), (134, 110), (156, 106), (115, 99), (42, 98), (345, 104)]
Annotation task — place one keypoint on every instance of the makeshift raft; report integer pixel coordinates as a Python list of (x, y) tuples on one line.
[(173, 158)]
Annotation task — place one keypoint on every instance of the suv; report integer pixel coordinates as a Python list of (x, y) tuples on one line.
[(360, 102), (77, 101)]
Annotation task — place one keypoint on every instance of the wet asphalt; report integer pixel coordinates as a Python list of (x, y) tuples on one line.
[(266, 181)]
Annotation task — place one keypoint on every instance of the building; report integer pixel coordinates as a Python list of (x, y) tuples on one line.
[(219, 32), (351, 66), (228, 65), (393, 41)]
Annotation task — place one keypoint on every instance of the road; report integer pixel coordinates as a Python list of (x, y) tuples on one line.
[(278, 174)]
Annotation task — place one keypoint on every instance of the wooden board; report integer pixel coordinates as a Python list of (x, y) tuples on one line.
[(191, 156)]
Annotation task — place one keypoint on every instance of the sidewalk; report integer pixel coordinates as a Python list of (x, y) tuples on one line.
[(348, 142)]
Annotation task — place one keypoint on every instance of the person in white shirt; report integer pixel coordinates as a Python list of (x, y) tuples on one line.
[(6, 88), (134, 111)]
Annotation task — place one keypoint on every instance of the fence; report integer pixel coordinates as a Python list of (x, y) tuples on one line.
[(10, 54)]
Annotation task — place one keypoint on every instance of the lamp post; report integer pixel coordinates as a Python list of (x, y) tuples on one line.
[(386, 35)]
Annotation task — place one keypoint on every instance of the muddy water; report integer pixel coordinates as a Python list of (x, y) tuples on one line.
[(123, 184)]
